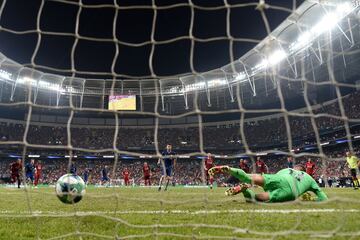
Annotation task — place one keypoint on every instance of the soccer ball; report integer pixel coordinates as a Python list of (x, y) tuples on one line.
[(70, 188)]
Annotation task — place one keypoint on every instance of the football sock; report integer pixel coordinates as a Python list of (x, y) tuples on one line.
[(356, 183), (241, 175), (167, 183), (160, 182), (249, 195)]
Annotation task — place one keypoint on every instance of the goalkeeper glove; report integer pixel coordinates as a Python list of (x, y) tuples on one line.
[(307, 197)]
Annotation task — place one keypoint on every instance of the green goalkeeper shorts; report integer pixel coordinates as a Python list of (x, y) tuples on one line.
[(278, 188)]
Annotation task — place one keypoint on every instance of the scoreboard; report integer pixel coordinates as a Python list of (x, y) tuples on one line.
[(122, 102)]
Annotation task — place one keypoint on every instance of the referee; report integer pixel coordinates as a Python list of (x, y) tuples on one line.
[(353, 164)]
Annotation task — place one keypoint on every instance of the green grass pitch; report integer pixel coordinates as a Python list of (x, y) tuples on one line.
[(179, 213)]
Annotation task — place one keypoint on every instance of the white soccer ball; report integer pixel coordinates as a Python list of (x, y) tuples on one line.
[(70, 188)]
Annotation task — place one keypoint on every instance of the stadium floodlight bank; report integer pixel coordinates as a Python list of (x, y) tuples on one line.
[(283, 48)]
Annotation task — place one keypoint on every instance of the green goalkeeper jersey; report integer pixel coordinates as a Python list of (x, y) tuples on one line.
[(301, 182)]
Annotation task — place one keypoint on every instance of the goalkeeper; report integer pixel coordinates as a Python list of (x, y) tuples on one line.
[(286, 185)]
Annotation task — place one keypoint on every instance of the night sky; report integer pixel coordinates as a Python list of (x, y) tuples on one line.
[(133, 26)]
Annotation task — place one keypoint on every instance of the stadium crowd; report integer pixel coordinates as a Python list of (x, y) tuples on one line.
[(266, 132), (257, 133)]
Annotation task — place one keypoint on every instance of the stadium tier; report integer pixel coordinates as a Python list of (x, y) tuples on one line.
[(264, 133)]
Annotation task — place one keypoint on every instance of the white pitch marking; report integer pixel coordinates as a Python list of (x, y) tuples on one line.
[(200, 212)]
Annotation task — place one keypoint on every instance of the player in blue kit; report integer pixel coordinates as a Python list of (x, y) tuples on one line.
[(30, 171), (86, 175), (73, 169), (167, 163), (105, 180)]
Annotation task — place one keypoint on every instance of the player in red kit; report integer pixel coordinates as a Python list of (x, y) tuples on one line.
[(209, 163), (38, 170), (147, 174), (15, 169), (261, 166), (310, 167), (244, 165), (126, 176)]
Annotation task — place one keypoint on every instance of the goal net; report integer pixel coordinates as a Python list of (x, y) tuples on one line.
[(86, 84)]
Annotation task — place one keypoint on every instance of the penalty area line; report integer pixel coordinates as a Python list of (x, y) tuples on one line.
[(5, 213)]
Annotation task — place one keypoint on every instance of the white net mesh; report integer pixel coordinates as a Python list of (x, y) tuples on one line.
[(307, 63)]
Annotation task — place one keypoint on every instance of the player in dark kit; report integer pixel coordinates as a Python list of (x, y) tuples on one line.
[(15, 169), (30, 171), (126, 176), (147, 174), (290, 162), (261, 166), (73, 169), (105, 180), (209, 163), (38, 171), (86, 175), (310, 167), (167, 163)]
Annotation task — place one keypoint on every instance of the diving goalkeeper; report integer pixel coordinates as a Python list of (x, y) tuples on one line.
[(286, 185)]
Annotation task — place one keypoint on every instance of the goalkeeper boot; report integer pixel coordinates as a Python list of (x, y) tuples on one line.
[(218, 169), (237, 189)]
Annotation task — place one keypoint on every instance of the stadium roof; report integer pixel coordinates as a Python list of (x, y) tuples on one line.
[(302, 37)]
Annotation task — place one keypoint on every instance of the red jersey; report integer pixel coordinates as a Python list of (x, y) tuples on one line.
[(310, 168), (126, 174), (38, 168), (15, 168), (146, 170), (209, 163), (244, 167), (261, 166)]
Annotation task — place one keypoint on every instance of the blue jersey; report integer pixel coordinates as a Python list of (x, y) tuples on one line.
[(73, 169), (29, 168), (104, 173), (86, 175), (168, 159), (291, 164)]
